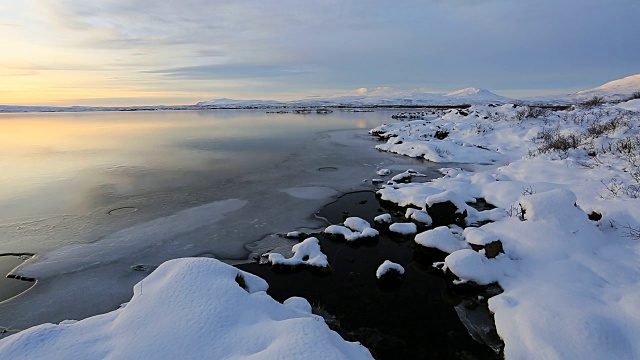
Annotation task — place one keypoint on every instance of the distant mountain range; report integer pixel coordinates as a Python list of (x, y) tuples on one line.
[(616, 90), (464, 96)]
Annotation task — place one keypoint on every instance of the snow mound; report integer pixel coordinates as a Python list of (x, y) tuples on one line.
[(306, 252), (441, 238), (478, 236), (355, 228), (382, 219), (469, 265), (403, 228), (388, 266), (190, 308), (420, 216)]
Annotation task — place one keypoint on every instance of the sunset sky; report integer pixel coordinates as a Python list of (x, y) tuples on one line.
[(123, 52)]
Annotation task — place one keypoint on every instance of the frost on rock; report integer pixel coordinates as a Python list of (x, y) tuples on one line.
[(306, 253), (190, 308), (403, 228), (388, 266), (354, 229), (441, 238)]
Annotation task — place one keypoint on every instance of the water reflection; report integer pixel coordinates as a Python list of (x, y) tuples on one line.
[(59, 163)]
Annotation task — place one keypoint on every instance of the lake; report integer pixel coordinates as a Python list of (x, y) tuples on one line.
[(96, 194)]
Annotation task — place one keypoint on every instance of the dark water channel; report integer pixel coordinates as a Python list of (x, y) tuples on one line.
[(415, 320)]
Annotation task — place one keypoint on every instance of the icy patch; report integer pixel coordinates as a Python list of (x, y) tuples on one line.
[(190, 308), (441, 238), (311, 192), (305, 253), (383, 172), (79, 256), (388, 266)]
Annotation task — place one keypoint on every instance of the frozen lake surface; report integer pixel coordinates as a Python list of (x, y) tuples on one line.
[(93, 194)]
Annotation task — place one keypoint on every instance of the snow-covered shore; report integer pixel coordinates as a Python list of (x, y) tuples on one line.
[(191, 308), (567, 189)]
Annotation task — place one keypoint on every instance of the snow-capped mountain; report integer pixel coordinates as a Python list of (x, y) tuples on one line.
[(463, 96)]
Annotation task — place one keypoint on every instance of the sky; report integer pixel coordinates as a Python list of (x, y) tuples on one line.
[(123, 52)]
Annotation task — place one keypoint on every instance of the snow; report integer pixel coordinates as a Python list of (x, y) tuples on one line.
[(387, 266), (403, 228), (441, 238), (382, 219), (420, 216), (478, 236), (631, 105), (571, 285), (190, 308), (383, 172), (624, 86), (306, 252), (356, 224), (354, 229)]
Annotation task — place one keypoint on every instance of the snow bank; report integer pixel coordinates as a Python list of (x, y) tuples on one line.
[(190, 308)]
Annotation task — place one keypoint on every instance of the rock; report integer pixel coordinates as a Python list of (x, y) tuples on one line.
[(446, 213), (493, 249)]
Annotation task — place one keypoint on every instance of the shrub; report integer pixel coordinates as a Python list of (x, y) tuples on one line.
[(594, 101), (531, 112), (554, 140)]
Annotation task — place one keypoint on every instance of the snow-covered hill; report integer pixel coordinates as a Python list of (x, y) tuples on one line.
[(617, 89), (463, 96)]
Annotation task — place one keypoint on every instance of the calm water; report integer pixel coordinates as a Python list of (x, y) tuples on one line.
[(69, 163)]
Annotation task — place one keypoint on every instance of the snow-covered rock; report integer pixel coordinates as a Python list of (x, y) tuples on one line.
[(306, 253), (441, 238), (192, 308), (387, 266), (403, 228)]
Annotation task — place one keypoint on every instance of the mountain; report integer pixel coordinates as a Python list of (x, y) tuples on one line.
[(460, 97), (475, 94)]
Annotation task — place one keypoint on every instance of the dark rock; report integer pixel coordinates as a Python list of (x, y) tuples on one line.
[(595, 216), (446, 213), (390, 280), (493, 249)]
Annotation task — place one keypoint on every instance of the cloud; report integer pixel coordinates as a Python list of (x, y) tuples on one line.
[(309, 47), (230, 71)]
